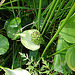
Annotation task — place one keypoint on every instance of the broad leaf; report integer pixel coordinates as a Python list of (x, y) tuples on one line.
[(4, 44), (59, 59), (12, 27), (68, 31), (70, 58)]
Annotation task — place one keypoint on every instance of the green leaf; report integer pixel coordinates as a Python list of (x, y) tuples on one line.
[(68, 31), (59, 59), (4, 44), (12, 27), (12, 32), (6, 24), (26, 40), (70, 58), (15, 22)]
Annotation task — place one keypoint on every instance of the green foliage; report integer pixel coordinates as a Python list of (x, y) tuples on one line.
[(59, 59), (33, 65), (4, 44), (68, 32), (28, 15), (70, 58), (12, 27), (30, 3)]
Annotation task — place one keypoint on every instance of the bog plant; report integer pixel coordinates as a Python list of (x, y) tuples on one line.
[(34, 38)]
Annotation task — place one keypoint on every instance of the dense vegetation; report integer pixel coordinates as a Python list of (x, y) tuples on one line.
[(37, 37)]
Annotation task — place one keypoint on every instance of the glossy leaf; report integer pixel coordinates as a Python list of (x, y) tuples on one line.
[(15, 22), (68, 31), (70, 58), (4, 44), (26, 40), (12, 27)]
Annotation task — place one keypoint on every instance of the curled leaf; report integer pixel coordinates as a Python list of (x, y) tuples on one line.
[(27, 41)]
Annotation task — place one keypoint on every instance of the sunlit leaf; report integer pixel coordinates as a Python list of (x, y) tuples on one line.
[(26, 40)]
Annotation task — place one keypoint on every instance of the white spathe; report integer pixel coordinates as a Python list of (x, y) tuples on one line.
[(17, 71)]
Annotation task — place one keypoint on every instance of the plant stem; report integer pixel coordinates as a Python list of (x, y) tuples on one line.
[(39, 14), (61, 50), (18, 7), (62, 25), (35, 7), (12, 8), (45, 11), (13, 56), (61, 5), (52, 13), (52, 4), (7, 3), (2, 68)]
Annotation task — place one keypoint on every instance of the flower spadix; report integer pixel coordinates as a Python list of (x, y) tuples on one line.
[(31, 39)]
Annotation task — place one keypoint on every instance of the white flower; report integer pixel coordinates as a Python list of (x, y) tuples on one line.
[(17, 71), (26, 40)]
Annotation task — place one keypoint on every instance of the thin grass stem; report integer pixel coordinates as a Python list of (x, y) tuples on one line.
[(45, 11), (52, 13), (62, 25), (14, 8), (13, 56), (61, 5), (48, 14), (8, 3), (35, 7), (18, 7), (62, 50), (39, 14)]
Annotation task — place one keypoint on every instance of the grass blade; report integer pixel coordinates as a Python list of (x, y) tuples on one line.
[(62, 25)]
